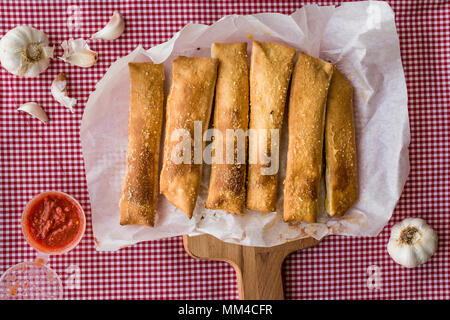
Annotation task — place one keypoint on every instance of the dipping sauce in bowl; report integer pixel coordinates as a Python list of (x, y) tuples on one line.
[(53, 222)]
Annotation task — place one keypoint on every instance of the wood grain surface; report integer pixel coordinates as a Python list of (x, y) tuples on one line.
[(258, 269)]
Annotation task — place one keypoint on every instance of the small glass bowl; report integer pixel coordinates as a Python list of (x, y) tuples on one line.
[(34, 243)]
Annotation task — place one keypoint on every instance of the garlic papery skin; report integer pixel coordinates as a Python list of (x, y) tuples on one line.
[(59, 92), (412, 242), (35, 110), (77, 52), (25, 51), (113, 29)]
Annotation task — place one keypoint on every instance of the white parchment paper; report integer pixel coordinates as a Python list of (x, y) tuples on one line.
[(360, 38)]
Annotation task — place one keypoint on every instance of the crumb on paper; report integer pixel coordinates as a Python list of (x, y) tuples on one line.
[(363, 95), (14, 288), (51, 276)]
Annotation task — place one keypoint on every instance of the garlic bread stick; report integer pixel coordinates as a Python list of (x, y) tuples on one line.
[(270, 72), (340, 149), (140, 186), (227, 181), (189, 107), (307, 103)]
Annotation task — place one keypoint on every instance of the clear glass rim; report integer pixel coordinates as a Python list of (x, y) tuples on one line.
[(41, 265)]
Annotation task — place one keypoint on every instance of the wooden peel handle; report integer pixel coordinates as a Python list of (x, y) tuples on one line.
[(258, 269), (259, 274)]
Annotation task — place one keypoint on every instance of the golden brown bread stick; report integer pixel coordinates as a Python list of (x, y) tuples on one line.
[(340, 148), (227, 181), (190, 99), (270, 72), (307, 103), (140, 186)]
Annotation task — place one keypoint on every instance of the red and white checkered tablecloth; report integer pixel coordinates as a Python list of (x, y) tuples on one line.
[(36, 157)]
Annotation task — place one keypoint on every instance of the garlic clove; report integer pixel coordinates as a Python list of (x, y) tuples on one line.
[(412, 242), (113, 29), (59, 92), (78, 53), (35, 110), (25, 51)]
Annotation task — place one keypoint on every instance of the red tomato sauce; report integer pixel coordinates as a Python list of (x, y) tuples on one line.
[(53, 222)]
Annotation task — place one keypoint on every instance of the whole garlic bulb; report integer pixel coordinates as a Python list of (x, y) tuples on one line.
[(412, 242), (24, 51)]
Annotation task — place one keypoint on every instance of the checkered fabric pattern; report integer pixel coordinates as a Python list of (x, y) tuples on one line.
[(36, 157)]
